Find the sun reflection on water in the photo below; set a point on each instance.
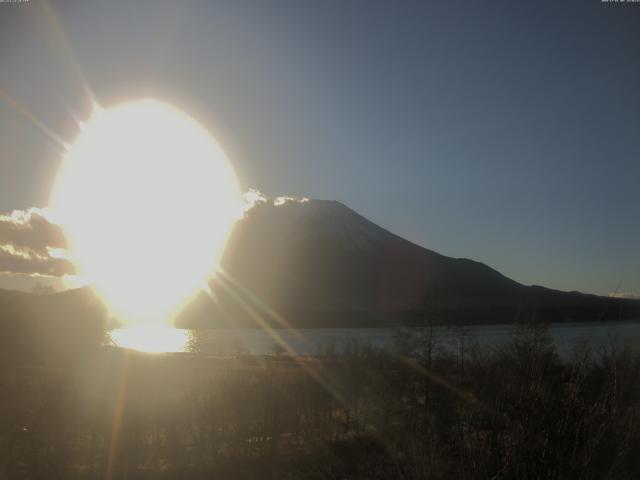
(151, 338)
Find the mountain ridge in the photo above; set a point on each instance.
(338, 268)
(320, 263)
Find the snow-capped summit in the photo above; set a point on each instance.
(317, 220)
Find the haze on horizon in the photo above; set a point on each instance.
(502, 133)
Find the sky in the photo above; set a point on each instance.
(506, 132)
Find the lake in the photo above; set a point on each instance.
(323, 341)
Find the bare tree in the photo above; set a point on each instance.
(460, 334)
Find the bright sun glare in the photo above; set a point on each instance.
(147, 199)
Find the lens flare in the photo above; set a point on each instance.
(147, 199)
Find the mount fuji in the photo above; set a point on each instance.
(319, 263)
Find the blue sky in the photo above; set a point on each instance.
(500, 131)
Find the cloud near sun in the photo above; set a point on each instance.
(31, 244)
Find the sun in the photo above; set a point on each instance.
(147, 199)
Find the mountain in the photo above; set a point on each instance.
(319, 263)
(62, 326)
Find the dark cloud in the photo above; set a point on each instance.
(27, 238)
(18, 263)
(30, 229)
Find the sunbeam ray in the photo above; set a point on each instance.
(63, 47)
(326, 382)
(261, 304)
(118, 418)
(26, 113)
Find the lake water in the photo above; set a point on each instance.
(336, 340)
